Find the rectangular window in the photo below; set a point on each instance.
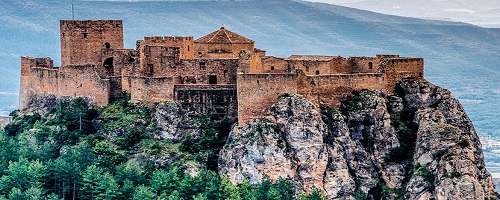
(203, 66)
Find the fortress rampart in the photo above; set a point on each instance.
(219, 75)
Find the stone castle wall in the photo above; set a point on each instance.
(400, 68)
(152, 89)
(213, 75)
(258, 92)
(331, 89)
(82, 41)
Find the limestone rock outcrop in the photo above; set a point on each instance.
(416, 144)
(173, 122)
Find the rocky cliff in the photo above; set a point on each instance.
(416, 144)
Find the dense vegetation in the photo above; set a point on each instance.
(76, 151)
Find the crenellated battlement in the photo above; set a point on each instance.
(221, 74)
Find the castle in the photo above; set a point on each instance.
(220, 74)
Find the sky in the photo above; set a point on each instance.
(484, 13)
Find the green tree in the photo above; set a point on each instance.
(247, 190)
(99, 184)
(23, 175)
(144, 193)
(286, 188)
(68, 168)
(165, 181)
(228, 190)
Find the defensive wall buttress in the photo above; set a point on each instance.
(220, 75)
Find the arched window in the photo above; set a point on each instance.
(107, 45)
(370, 65)
(317, 72)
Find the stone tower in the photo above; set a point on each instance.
(83, 41)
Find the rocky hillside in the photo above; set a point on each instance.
(416, 144)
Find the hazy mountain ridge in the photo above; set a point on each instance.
(461, 57)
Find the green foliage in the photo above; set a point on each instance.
(78, 152)
(455, 174)
(21, 124)
(99, 184)
(75, 116)
(406, 137)
(143, 192)
(22, 175)
(121, 113)
(207, 147)
(427, 175)
(315, 194)
(327, 114)
(361, 196)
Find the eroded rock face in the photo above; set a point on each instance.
(447, 147)
(173, 122)
(417, 144)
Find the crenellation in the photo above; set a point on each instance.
(219, 75)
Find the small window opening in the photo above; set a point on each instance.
(212, 79)
(131, 60)
(150, 69)
(307, 69)
(272, 68)
(225, 73)
(370, 65)
(317, 72)
(107, 45)
(203, 66)
(85, 35)
(108, 66)
(188, 47)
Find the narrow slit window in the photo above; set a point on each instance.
(203, 66)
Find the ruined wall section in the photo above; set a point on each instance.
(271, 64)
(119, 66)
(396, 69)
(249, 63)
(152, 89)
(38, 78)
(258, 92)
(158, 61)
(83, 41)
(215, 101)
(365, 65)
(83, 81)
(311, 67)
(331, 89)
(208, 71)
(185, 44)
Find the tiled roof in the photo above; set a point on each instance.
(224, 36)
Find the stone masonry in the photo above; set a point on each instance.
(221, 74)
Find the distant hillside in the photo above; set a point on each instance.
(461, 57)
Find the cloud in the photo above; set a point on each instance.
(9, 93)
(460, 10)
(15, 21)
